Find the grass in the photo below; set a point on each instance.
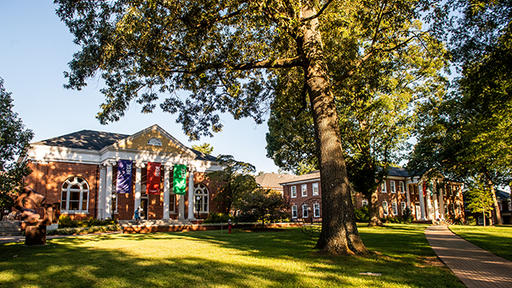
(496, 239)
(214, 259)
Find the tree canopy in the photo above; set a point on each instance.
(468, 135)
(210, 57)
(205, 148)
(14, 138)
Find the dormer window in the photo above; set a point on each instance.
(155, 142)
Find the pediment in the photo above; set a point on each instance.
(154, 139)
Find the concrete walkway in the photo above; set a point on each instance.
(474, 266)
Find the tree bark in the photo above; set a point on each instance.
(495, 203)
(374, 210)
(339, 235)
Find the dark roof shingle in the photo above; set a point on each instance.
(84, 139)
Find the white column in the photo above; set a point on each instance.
(422, 200)
(108, 192)
(138, 185)
(167, 191)
(429, 203)
(191, 195)
(101, 193)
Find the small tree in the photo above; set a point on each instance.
(263, 204)
(480, 200)
(14, 139)
(234, 180)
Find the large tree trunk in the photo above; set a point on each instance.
(339, 235)
(374, 209)
(497, 210)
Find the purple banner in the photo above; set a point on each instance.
(124, 176)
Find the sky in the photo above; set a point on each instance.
(35, 47)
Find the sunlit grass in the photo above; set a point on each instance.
(496, 239)
(215, 259)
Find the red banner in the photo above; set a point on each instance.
(153, 179)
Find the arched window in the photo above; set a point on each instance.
(201, 198)
(74, 196)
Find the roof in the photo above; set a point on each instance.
(84, 139)
(273, 180)
(97, 140)
(502, 195)
(305, 177)
(399, 172)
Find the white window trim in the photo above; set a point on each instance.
(403, 206)
(316, 205)
(392, 185)
(385, 208)
(201, 187)
(294, 207)
(304, 190)
(315, 191)
(293, 191)
(394, 208)
(402, 187)
(383, 187)
(65, 210)
(305, 209)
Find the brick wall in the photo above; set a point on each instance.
(48, 178)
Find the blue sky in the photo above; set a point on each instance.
(35, 48)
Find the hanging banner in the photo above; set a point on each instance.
(124, 176)
(179, 179)
(153, 179)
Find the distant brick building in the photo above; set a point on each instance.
(79, 170)
(428, 199)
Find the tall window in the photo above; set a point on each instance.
(305, 211)
(385, 208)
(403, 206)
(394, 208)
(304, 190)
(294, 211)
(393, 186)
(201, 198)
(383, 188)
(316, 210)
(74, 197)
(315, 189)
(293, 191)
(402, 187)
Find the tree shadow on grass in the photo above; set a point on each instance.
(66, 264)
(287, 259)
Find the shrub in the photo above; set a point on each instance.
(217, 218)
(66, 222)
(84, 230)
(362, 214)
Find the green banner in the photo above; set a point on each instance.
(179, 179)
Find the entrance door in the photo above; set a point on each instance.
(144, 210)
(418, 212)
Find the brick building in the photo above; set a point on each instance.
(428, 199)
(80, 171)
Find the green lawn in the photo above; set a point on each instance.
(214, 259)
(497, 239)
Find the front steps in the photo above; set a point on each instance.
(10, 228)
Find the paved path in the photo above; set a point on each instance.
(474, 266)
